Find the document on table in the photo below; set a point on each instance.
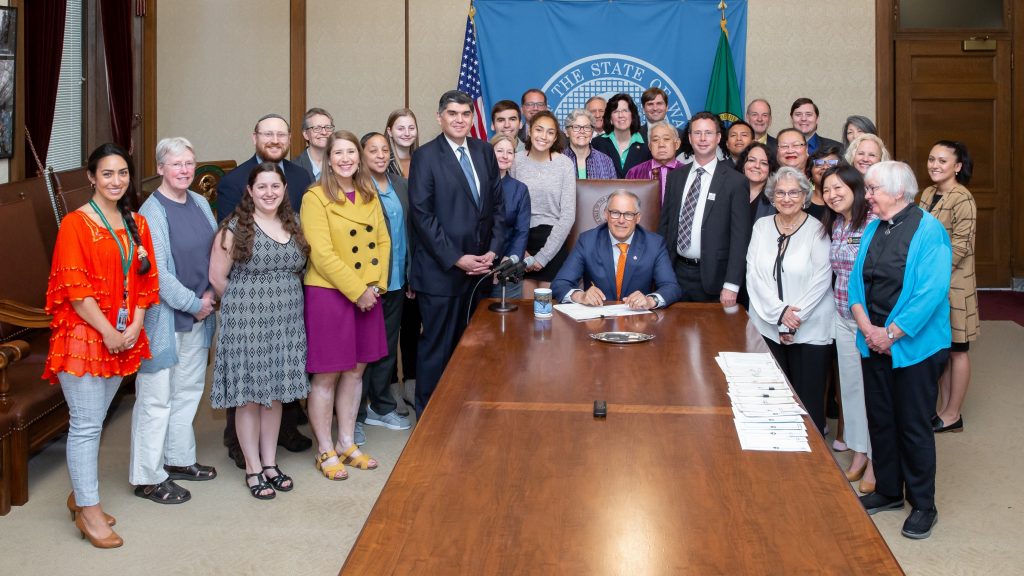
(766, 414)
(580, 312)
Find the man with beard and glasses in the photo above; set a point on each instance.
(272, 137)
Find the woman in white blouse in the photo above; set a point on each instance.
(789, 278)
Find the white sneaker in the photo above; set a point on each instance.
(360, 436)
(391, 420)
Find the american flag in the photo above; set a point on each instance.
(469, 79)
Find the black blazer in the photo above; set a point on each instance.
(638, 153)
(446, 221)
(725, 230)
(232, 186)
(303, 161)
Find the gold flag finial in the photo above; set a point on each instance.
(722, 6)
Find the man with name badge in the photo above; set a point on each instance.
(706, 219)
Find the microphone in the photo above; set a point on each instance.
(506, 265)
(513, 265)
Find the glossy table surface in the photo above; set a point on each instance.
(508, 472)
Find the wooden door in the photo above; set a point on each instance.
(946, 93)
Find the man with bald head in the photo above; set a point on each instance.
(272, 138)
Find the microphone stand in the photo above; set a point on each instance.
(503, 306)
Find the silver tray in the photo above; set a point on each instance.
(622, 337)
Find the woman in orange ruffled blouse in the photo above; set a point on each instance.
(100, 285)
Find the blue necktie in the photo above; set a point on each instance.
(467, 170)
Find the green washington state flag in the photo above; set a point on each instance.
(723, 90)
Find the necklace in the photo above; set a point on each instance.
(788, 227)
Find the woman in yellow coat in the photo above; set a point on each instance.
(348, 270)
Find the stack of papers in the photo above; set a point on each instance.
(766, 415)
(580, 312)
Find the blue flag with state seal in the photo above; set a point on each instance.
(575, 49)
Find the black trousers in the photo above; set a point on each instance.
(688, 276)
(900, 404)
(444, 321)
(409, 339)
(377, 376)
(807, 367)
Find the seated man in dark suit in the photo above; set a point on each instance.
(272, 137)
(618, 260)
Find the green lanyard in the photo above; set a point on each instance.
(126, 262)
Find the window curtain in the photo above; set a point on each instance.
(116, 19)
(44, 46)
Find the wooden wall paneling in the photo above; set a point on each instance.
(1017, 143)
(297, 73)
(149, 92)
(885, 24)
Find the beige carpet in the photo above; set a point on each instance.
(223, 530)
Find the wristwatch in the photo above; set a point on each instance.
(890, 334)
(376, 290)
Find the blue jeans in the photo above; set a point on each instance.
(512, 291)
(88, 398)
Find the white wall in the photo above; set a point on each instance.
(219, 73)
(820, 49)
(220, 67)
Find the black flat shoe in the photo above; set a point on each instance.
(236, 455)
(193, 472)
(876, 502)
(166, 492)
(294, 441)
(918, 525)
(939, 427)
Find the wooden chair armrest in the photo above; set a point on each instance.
(10, 352)
(23, 315)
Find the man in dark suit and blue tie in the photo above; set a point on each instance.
(706, 219)
(458, 223)
(618, 260)
(272, 137)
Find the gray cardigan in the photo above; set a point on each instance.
(159, 320)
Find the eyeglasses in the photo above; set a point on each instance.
(628, 216)
(272, 135)
(535, 105)
(704, 134)
(794, 194)
(181, 165)
(580, 129)
(327, 128)
(872, 188)
(826, 162)
(796, 146)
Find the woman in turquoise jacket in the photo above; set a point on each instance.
(899, 296)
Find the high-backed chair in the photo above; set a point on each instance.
(592, 198)
(32, 412)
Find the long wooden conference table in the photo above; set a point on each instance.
(509, 472)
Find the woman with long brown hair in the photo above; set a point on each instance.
(101, 283)
(349, 262)
(256, 267)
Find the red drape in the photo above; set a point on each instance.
(116, 17)
(44, 45)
